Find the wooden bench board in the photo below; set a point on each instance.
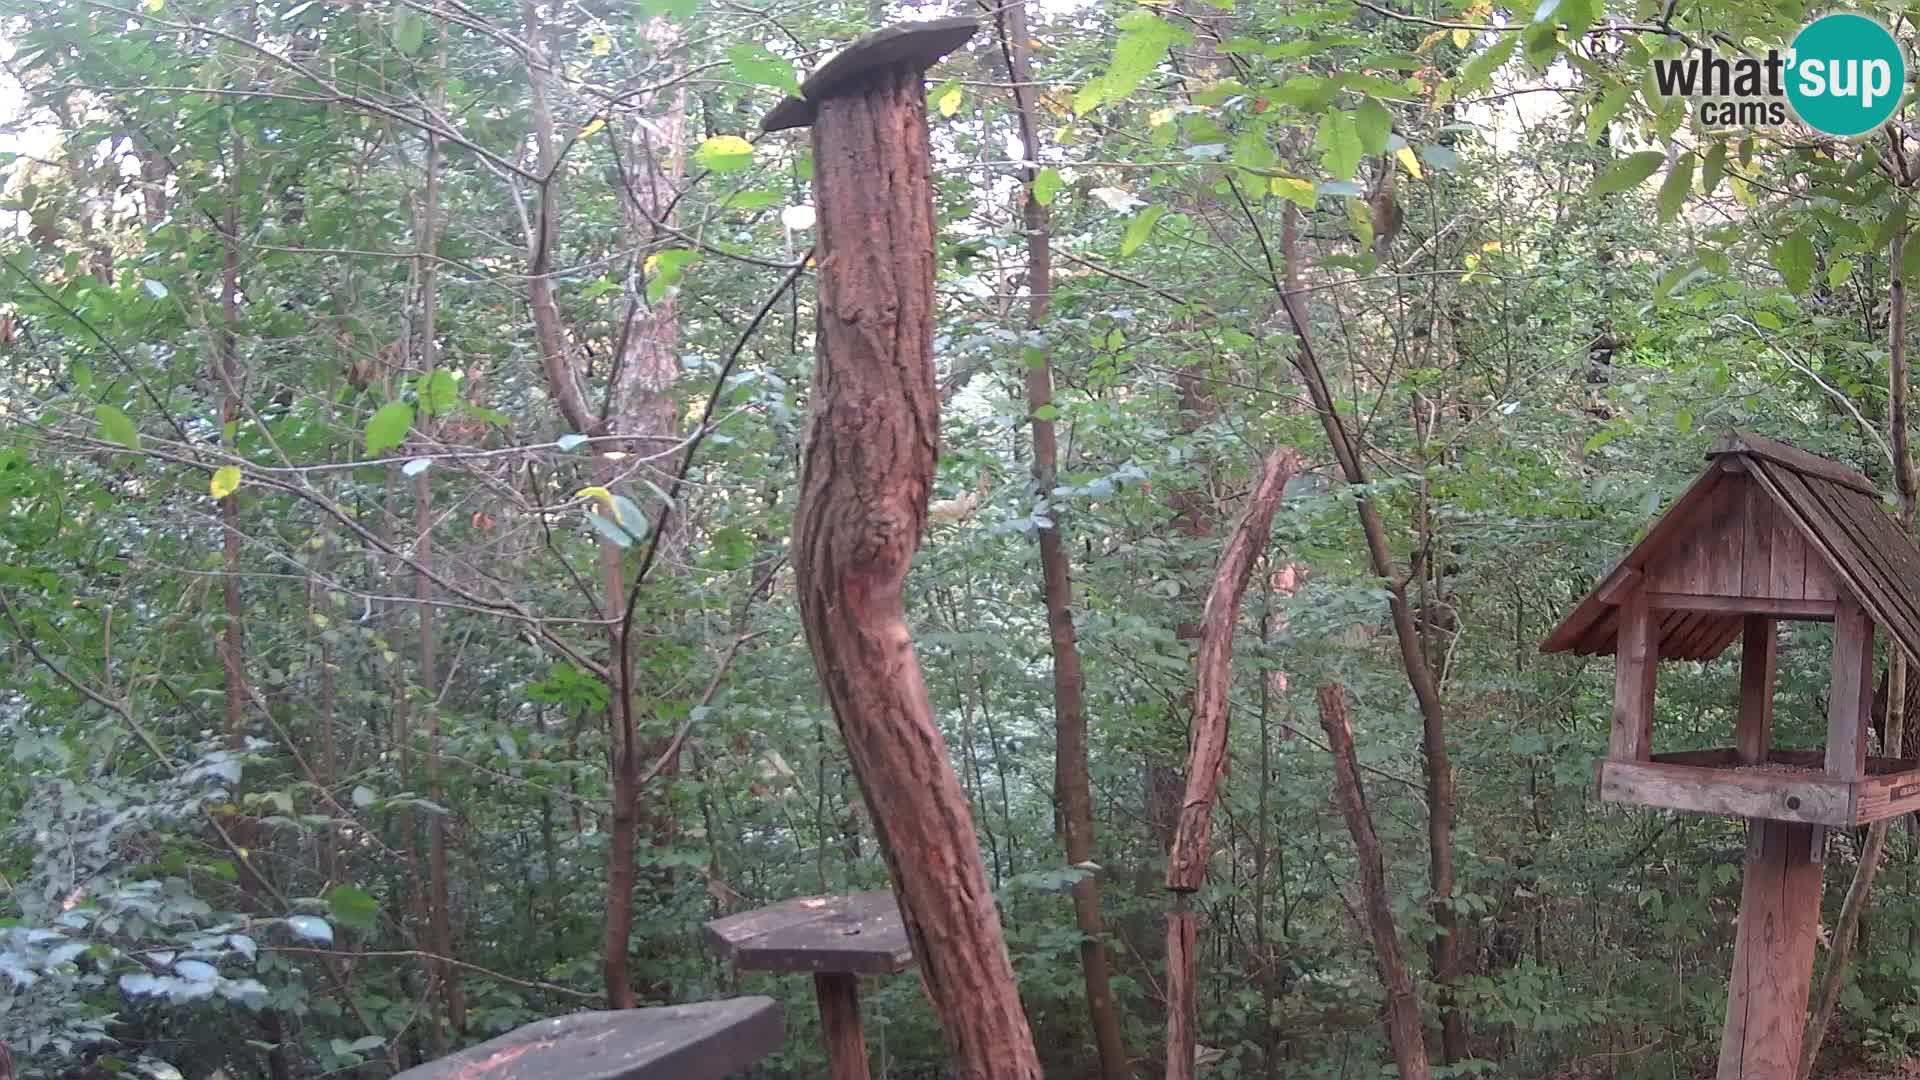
(707, 1040)
(857, 934)
(1709, 782)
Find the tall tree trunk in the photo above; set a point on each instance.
(1444, 950)
(1401, 1015)
(440, 925)
(1072, 784)
(868, 469)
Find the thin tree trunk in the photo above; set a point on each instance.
(1207, 753)
(1851, 909)
(1443, 950)
(1401, 1017)
(1073, 786)
(868, 469)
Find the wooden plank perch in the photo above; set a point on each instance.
(1207, 754)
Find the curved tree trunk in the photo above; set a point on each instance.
(873, 440)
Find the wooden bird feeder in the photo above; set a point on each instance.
(837, 939)
(1768, 532)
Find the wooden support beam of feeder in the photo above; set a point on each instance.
(1772, 954)
(873, 435)
(1850, 700)
(838, 939)
(1758, 653)
(1635, 662)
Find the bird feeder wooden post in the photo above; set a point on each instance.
(872, 442)
(1768, 532)
(838, 939)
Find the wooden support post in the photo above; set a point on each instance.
(1754, 729)
(1636, 658)
(1850, 704)
(839, 998)
(1772, 954)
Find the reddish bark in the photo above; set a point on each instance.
(1401, 1016)
(1207, 752)
(868, 470)
(1213, 677)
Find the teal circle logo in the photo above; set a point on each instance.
(1845, 74)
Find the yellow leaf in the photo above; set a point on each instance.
(156, 6)
(1491, 245)
(319, 620)
(593, 126)
(950, 101)
(226, 481)
(1159, 116)
(602, 44)
(1409, 161)
(595, 492)
(1431, 40)
(1462, 38)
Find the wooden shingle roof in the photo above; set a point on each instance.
(1767, 528)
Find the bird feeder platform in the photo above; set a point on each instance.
(837, 939)
(708, 1040)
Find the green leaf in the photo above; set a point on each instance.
(1138, 51)
(1374, 123)
(1605, 109)
(1139, 229)
(1046, 186)
(628, 516)
(1047, 413)
(353, 907)
(437, 391)
(724, 154)
(753, 64)
(1673, 191)
(664, 269)
(609, 531)
(116, 426)
(1714, 168)
(1793, 257)
(1768, 319)
(1293, 189)
(1629, 171)
(388, 428)
(1839, 273)
(226, 481)
(409, 31)
(1338, 141)
(1479, 71)
(1910, 262)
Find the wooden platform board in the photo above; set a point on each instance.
(860, 934)
(708, 1040)
(1712, 782)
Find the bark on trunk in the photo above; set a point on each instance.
(1207, 752)
(1401, 1016)
(872, 444)
(1071, 780)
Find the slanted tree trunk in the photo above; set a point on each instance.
(1401, 1016)
(1443, 952)
(1207, 752)
(1072, 784)
(868, 468)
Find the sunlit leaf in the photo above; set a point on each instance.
(724, 154)
(226, 481)
(389, 426)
